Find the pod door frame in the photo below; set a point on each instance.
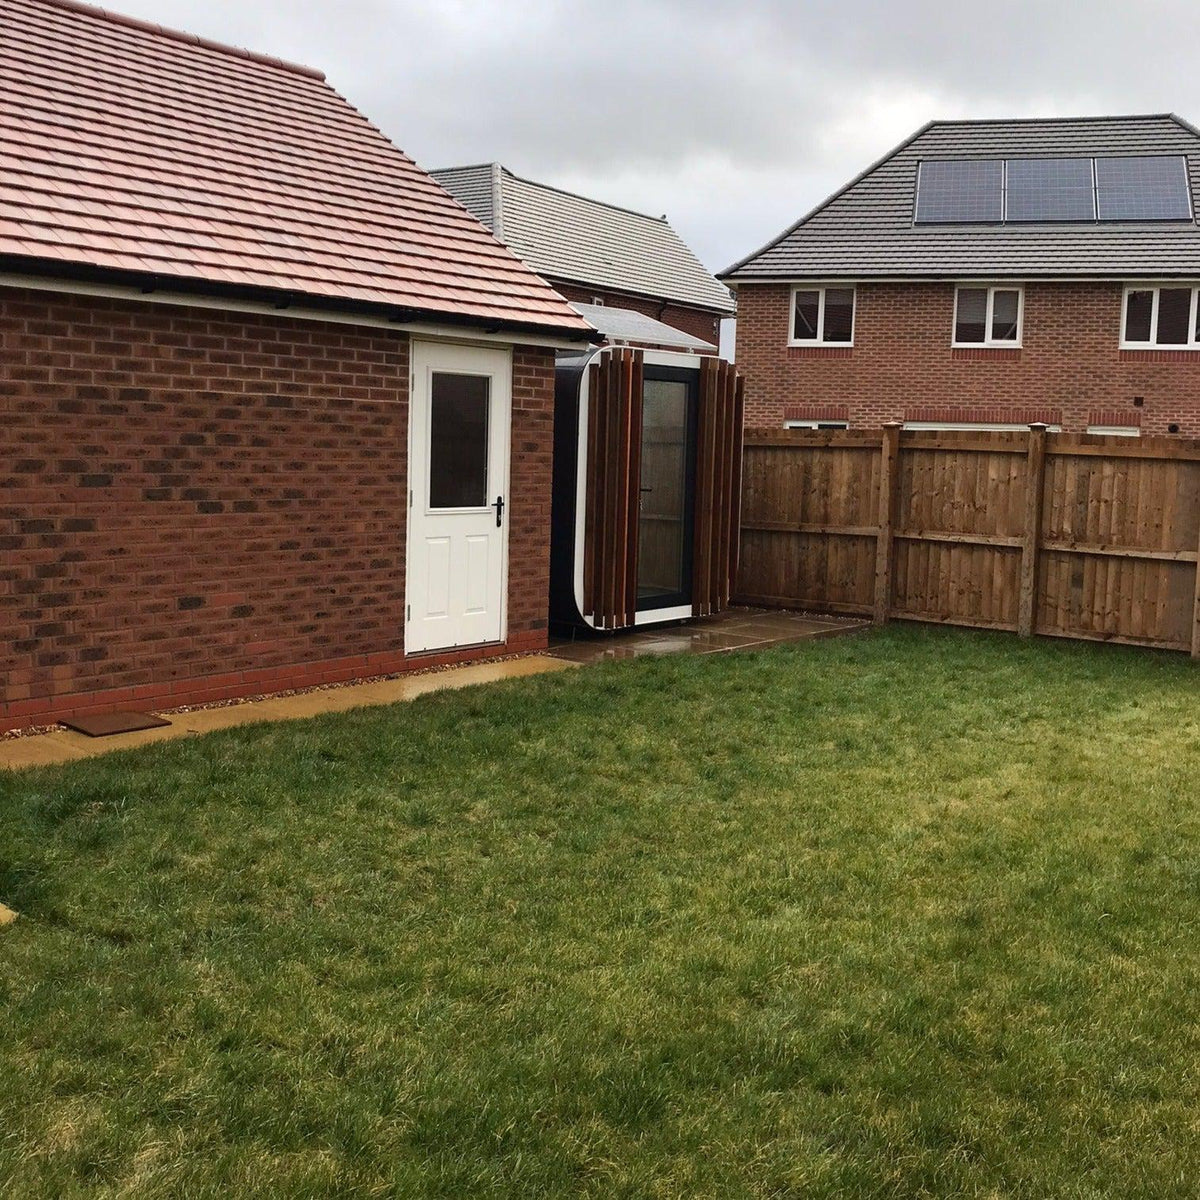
(597, 554)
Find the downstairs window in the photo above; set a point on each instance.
(974, 427)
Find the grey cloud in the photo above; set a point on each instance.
(733, 119)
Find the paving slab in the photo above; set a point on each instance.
(736, 629)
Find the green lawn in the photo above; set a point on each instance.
(914, 913)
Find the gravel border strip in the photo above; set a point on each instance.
(37, 730)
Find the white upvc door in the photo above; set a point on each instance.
(459, 432)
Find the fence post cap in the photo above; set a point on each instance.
(1038, 426)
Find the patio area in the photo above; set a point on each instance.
(736, 629)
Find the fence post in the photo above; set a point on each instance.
(1035, 476)
(889, 475)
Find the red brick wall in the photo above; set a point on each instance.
(196, 505)
(1069, 369)
(529, 492)
(696, 321)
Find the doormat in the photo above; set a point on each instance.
(110, 723)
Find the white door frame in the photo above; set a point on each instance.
(423, 356)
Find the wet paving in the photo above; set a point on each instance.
(737, 629)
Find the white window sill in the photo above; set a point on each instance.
(985, 346)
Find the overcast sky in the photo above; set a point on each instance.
(732, 118)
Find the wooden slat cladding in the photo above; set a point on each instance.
(614, 467)
(718, 471)
(1064, 535)
(613, 472)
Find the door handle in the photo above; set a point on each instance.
(499, 507)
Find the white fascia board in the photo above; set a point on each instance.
(431, 328)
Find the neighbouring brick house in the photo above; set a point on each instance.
(228, 306)
(988, 273)
(593, 252)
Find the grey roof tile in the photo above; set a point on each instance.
(866, 230)
(579, 240)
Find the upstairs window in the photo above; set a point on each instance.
(988, 316)
(1163, 318)
(822, 316)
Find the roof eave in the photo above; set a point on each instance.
(967, 271)
(281, 299)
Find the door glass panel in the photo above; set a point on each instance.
(458, 441)
(661, 516)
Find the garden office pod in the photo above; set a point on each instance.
(647, 474)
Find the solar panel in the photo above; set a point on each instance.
(1143, 189)
(1050, 189)
(960, 191)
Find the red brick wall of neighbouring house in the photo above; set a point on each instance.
(197, 505)
(696, 321)
(1069, 371)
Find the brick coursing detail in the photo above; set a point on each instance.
(696, 321)
(196, 504)
(902, 365)
(1115, 416)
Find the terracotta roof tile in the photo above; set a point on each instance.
(129, 147)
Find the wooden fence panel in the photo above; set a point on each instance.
(809, 520)
(1060, 534)
(1118, 546)
(958, 530)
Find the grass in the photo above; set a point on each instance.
(908, 914)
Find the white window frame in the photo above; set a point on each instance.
(1115, 430)
(816, 422)
(1191, 344)
(974, 426)
(820, 289)
(990, 343)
